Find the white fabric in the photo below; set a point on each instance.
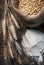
(33, 42)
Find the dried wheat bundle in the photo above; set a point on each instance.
(17, 48)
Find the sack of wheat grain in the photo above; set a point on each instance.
(20, 43)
